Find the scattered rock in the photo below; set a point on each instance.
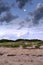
(27, 54)
(1, 54)
(11, 55)
(39, 55)
(33, 55)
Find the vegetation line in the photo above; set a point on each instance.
(24, 43)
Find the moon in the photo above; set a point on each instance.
(25, 10)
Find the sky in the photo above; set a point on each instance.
(21, 19)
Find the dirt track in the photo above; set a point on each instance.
(18, 56)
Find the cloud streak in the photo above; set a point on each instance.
(37, 14)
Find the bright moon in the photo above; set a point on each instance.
(25, 10)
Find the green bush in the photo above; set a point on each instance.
(24, 45)
(9, 45)
(15, 45)
(38, 45)
(29, 45)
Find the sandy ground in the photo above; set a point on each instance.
(19, 56)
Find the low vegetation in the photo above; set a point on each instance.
(21, 42)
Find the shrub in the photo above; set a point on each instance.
(38, 45)
(9, 45)
(29, 45)
(24, 45)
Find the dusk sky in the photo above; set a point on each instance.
(21, 19)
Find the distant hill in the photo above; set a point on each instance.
(6, 40)
(32, 40)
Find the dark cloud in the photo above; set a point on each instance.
(8, 17)
(22, 3)
(37, 14)
(4, 7)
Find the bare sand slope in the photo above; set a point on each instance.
(19, 56)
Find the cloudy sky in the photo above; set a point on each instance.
(21, 19)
